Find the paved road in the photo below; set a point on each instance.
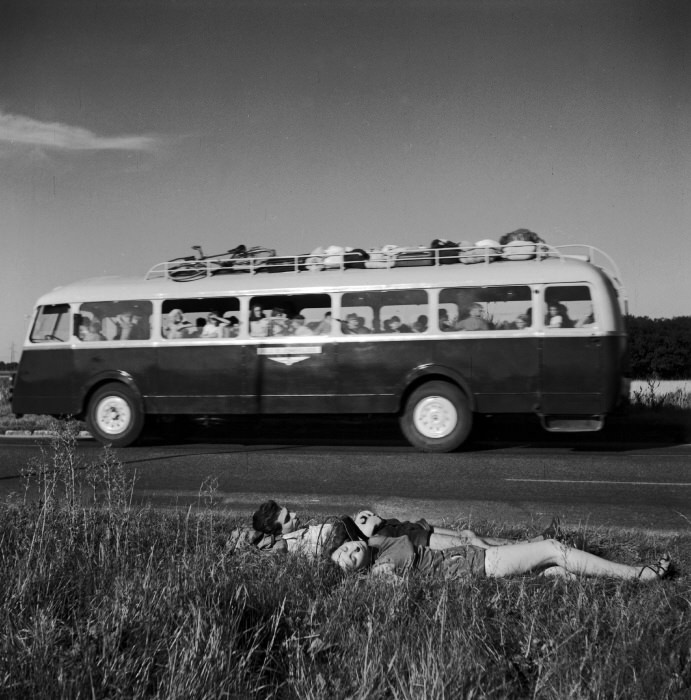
(646, 485)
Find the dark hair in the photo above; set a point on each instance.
(265, 518)
(343, 530)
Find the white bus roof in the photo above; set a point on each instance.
(561, 269)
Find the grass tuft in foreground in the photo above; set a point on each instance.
(102, 600)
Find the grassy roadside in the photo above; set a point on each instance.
(99, 599)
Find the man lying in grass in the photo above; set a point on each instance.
(352, 551)
(280, 531)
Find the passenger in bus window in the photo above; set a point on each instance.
(522, 321)
(130, 326)
(355, 325)
(278, 323)
(92, 331)
(474, 320)
(298, 327)
(420, 326)
(259, 324)
(557, 316)
(444, 321)
(232, 328)
(324, 326)
(395, 326)
(214, 326)
(178, 326)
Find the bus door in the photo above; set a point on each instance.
(572, 369)
(199, 371)
(291, 363)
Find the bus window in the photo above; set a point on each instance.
(485, 308)
(568, 307)
(385, 311)
(114, 320)
(52, 324)
(290, 315)
(204, 318)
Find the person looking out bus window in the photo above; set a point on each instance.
(557, 316)
(232, 328)
(521, 322)
(420, 326)
(395, 326)
(298, 327)
(178, 326)
(355, 325)
(213, 328)
(278, 322)
(259, 324)
(324, 326)
(474, 320)
(444, 321)
(92, 331)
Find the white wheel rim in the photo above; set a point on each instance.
(113, 415)
(435, 417)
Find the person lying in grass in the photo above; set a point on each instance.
(281, 532)
(394, 556)
(422, 534)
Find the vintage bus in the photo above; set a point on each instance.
(432, 342)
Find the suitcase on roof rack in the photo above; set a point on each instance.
(414, 257)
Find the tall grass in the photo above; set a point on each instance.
(100, 599)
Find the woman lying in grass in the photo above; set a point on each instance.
(282, 532)
(349, 548)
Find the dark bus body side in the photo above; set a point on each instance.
(533, 374)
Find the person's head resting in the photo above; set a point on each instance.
(475, 309)
(347, 545)
(368, 522)
(273, 519)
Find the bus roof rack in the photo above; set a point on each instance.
(199, 267)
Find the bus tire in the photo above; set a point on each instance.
(114, 416)
(437, 417)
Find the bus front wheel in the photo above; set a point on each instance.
(436, 418)
(114, 416)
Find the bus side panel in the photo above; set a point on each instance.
(44, 382)
(505, 374)
(200, 379)
(371, 374)
(292, 377)
(93, 364)
(572, 375)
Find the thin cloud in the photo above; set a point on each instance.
(16, 129)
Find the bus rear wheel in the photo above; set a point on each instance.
(114, 416)
(436, 418)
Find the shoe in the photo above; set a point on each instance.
(553, 530)
(661, 569)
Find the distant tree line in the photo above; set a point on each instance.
(659, 347)
(8, 366)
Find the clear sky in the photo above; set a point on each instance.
(133, 129)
